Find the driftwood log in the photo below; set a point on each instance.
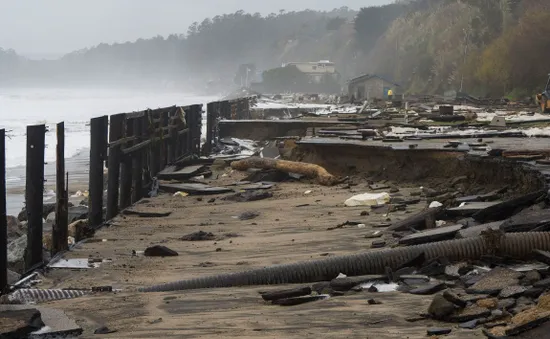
(309, 170)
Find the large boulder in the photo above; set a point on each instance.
(16, 253)
(77, 213)
(15, 228)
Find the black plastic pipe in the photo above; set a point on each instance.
(518, 245)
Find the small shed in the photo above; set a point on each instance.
(370, 86)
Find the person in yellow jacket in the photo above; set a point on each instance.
(390, 95)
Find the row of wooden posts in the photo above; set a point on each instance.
(237, 109)
(133, 146)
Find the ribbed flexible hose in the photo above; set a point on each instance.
(519, 245)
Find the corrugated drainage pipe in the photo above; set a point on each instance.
(518, 245)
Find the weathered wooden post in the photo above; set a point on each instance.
(126, 168)
(98, 149)
(60, 228)
(3, 221)
(137, 163)
(207, 147)
(113, 175)
(172, 131)
(34, 192)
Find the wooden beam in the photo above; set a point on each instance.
(60, 228)
(34, 193)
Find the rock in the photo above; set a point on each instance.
(373, 234)
(489, 303)
(457, 270)
(531, 277)
(543, 283)
(506, 304)
(160, 251)
(494, 281)
(378, 244)
(13, 277)
(438, 331)
(249, 196)
(104, 330)
(50, 218)
(542, 256)
(428, 289)
(533, 292)
(440, 307)
(22, 216)
(20, 323)
(16, 253)
(77, 213)
(469, 325)
(512, 291)
(248, 215)
(454, 298)
(198, 236)
(15, 228)
(469, 313)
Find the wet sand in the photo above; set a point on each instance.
(282, 233)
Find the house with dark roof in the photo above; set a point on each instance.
(370, 86)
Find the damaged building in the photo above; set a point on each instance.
(370, 86)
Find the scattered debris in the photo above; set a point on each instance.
(198, 236)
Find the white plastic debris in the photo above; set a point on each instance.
(440, 223)
(368, 199)
(361, 226)
(435, 204)
(308, 192)
(341, 275)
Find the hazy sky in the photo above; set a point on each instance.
(53, 27)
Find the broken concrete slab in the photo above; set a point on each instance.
(194, 189)
(525, 222)
(506, 209)
(494, 281)
(287, 293)
(468, 314)
(428, 288)
(299, 300)
(56, 323)
(19, 323)
(344, 284)
(417, 221)
(455, 299)
(512, 291)
(475, 231)
(187, 172)
(433, 235)
(468, 209)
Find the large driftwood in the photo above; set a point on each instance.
(310, 170)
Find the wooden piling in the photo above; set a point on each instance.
(98, 148)
(34, 191)
(113, 175)
(3, 220)
(126, 169)
(137, 163)
(60, 228)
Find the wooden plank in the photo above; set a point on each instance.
(98, 149)
(34, 192)
(416, 221)
(115, 156)
(60, 228)
(3, 221)
(136, 148)
(199, 189)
